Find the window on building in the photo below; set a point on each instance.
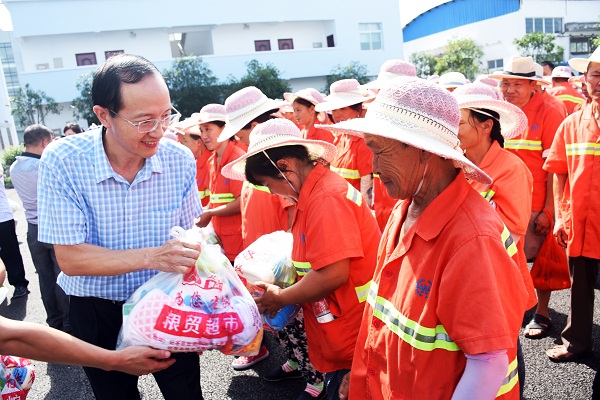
(86, 59)
(546, 25)
(330, 41)
(10, 69)
(285, 44)
(370, 36)
(580, 45)
(495, 65)
(262, 45)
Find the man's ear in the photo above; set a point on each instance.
(102, 113)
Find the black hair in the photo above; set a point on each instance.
(109, 77)
(495, 134)
(72, 126)
(259, 166)
(303, 102)
(220, 124)
(264, 117)
(548, 63)
(34, 134)
(357, 107)
(560, 79)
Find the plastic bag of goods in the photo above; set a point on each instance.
(16, 377)
(269, 259)
(205, 309)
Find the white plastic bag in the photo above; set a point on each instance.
(208, 308)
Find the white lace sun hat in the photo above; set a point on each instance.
(392, 69)
(418, 113)
(311, 95)
(344, 93)
(452, 80)
(474, 96)
(277, 133)
(186, 125)
(211, 113)
(243, 106)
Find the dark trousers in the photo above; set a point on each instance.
(333, 381)
(11, 255)
(98, 321)
(54, 298)
(577, 335)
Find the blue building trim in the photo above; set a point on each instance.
(456, 13)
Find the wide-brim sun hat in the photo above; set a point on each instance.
(311, 95)
(244, 106)
(392, 69)
(581, 64)
(513, 121)
(277, 133)
(212, 113)
(452, 80)
(344, 93)
(577, 81)
(521, 68)
(417, 113)
(186, 125)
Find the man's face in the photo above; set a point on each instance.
(592, 82)
(517, 91)
(147, 99)
(547, 70)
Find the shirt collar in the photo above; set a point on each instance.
(32, 155)
(309, 184)
(490, 156)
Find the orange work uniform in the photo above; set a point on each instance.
(567, 94)
(203, 177)
(444, 288)
(382, 202)
(533, 145)
(510, 195)
(222, 191)
(576, 152)
(323, 237)
(319, 134)
(353, 159)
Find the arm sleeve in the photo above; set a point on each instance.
(482, 377)
(556, 161)
(190, 206)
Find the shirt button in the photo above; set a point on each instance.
(371, 371)
(130, 218)
(376, 323)
(594, 188)
(388, 273)
(131, 246)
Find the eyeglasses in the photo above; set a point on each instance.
(195, 137)
(151, 124)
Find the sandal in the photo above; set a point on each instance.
(538, 322)
(561, 354)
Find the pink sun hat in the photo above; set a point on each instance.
(311, 95)
(344, 93)
(211, 113)
(243, 106)
(277, 133)
(418, 113)
(477, 96)
(392, 69)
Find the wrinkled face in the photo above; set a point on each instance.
(304, 115)
(210, 132)
(397, 165)
(517, 91)
(344, 114)
(147, 99)
(592, 82)
(468, 134)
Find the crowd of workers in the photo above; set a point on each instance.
(415, 207)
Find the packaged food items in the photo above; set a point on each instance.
(16, 377)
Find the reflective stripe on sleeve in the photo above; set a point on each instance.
(571, 98)
(522, 144)
(221, 198)
(261, 188)
(509, 244)
(354, 195)
(362, 292)
(488, 194)
(302, 267)
(346, 173)
(419, 337)
(581, 149)
(510, 380)
(204, 193)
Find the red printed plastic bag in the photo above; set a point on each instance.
(208, 308)
(16, 377)
(550, 270)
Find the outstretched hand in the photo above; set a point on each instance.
(176, 255)
(270, 302)
(138, 360)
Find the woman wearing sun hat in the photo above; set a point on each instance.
(353, 161)
(446, 301)
(303, 103)
(224, 207)
(335, 240)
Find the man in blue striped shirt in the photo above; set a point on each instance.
(107, 199)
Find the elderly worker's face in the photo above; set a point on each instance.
(397, 165)
(517, 91)
(592, 82)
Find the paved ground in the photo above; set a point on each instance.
(545, 380)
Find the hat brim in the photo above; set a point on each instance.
(317, 149)
(341, 102)
(512, 120)
(581, 64)
(290, 97)
(409, 134)
(233, 126)
(505, 75)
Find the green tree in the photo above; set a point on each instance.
(31, 106)
(425, 63)
(192, 85)
(460, 55)
(265, 77)
(354, 70)
(83, 105)
(541, 47)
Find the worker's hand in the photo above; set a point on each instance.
(203, 219)
(542, 224)
(560, 233)
(270, 302)
(137, 360)
(176, 255)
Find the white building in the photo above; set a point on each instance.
(58, 40)
(495, 24)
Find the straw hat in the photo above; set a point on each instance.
(577, 81)
(392, 69)
(581, 64)
(562, 71)
(452, 80)
(418, 113)
(242, 107)
(521, 68)
(211, 113)
(277, 133)
(344, 93)
(186, 125)
(309, 94)
(513, 121)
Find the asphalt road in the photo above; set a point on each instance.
(545, 379)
